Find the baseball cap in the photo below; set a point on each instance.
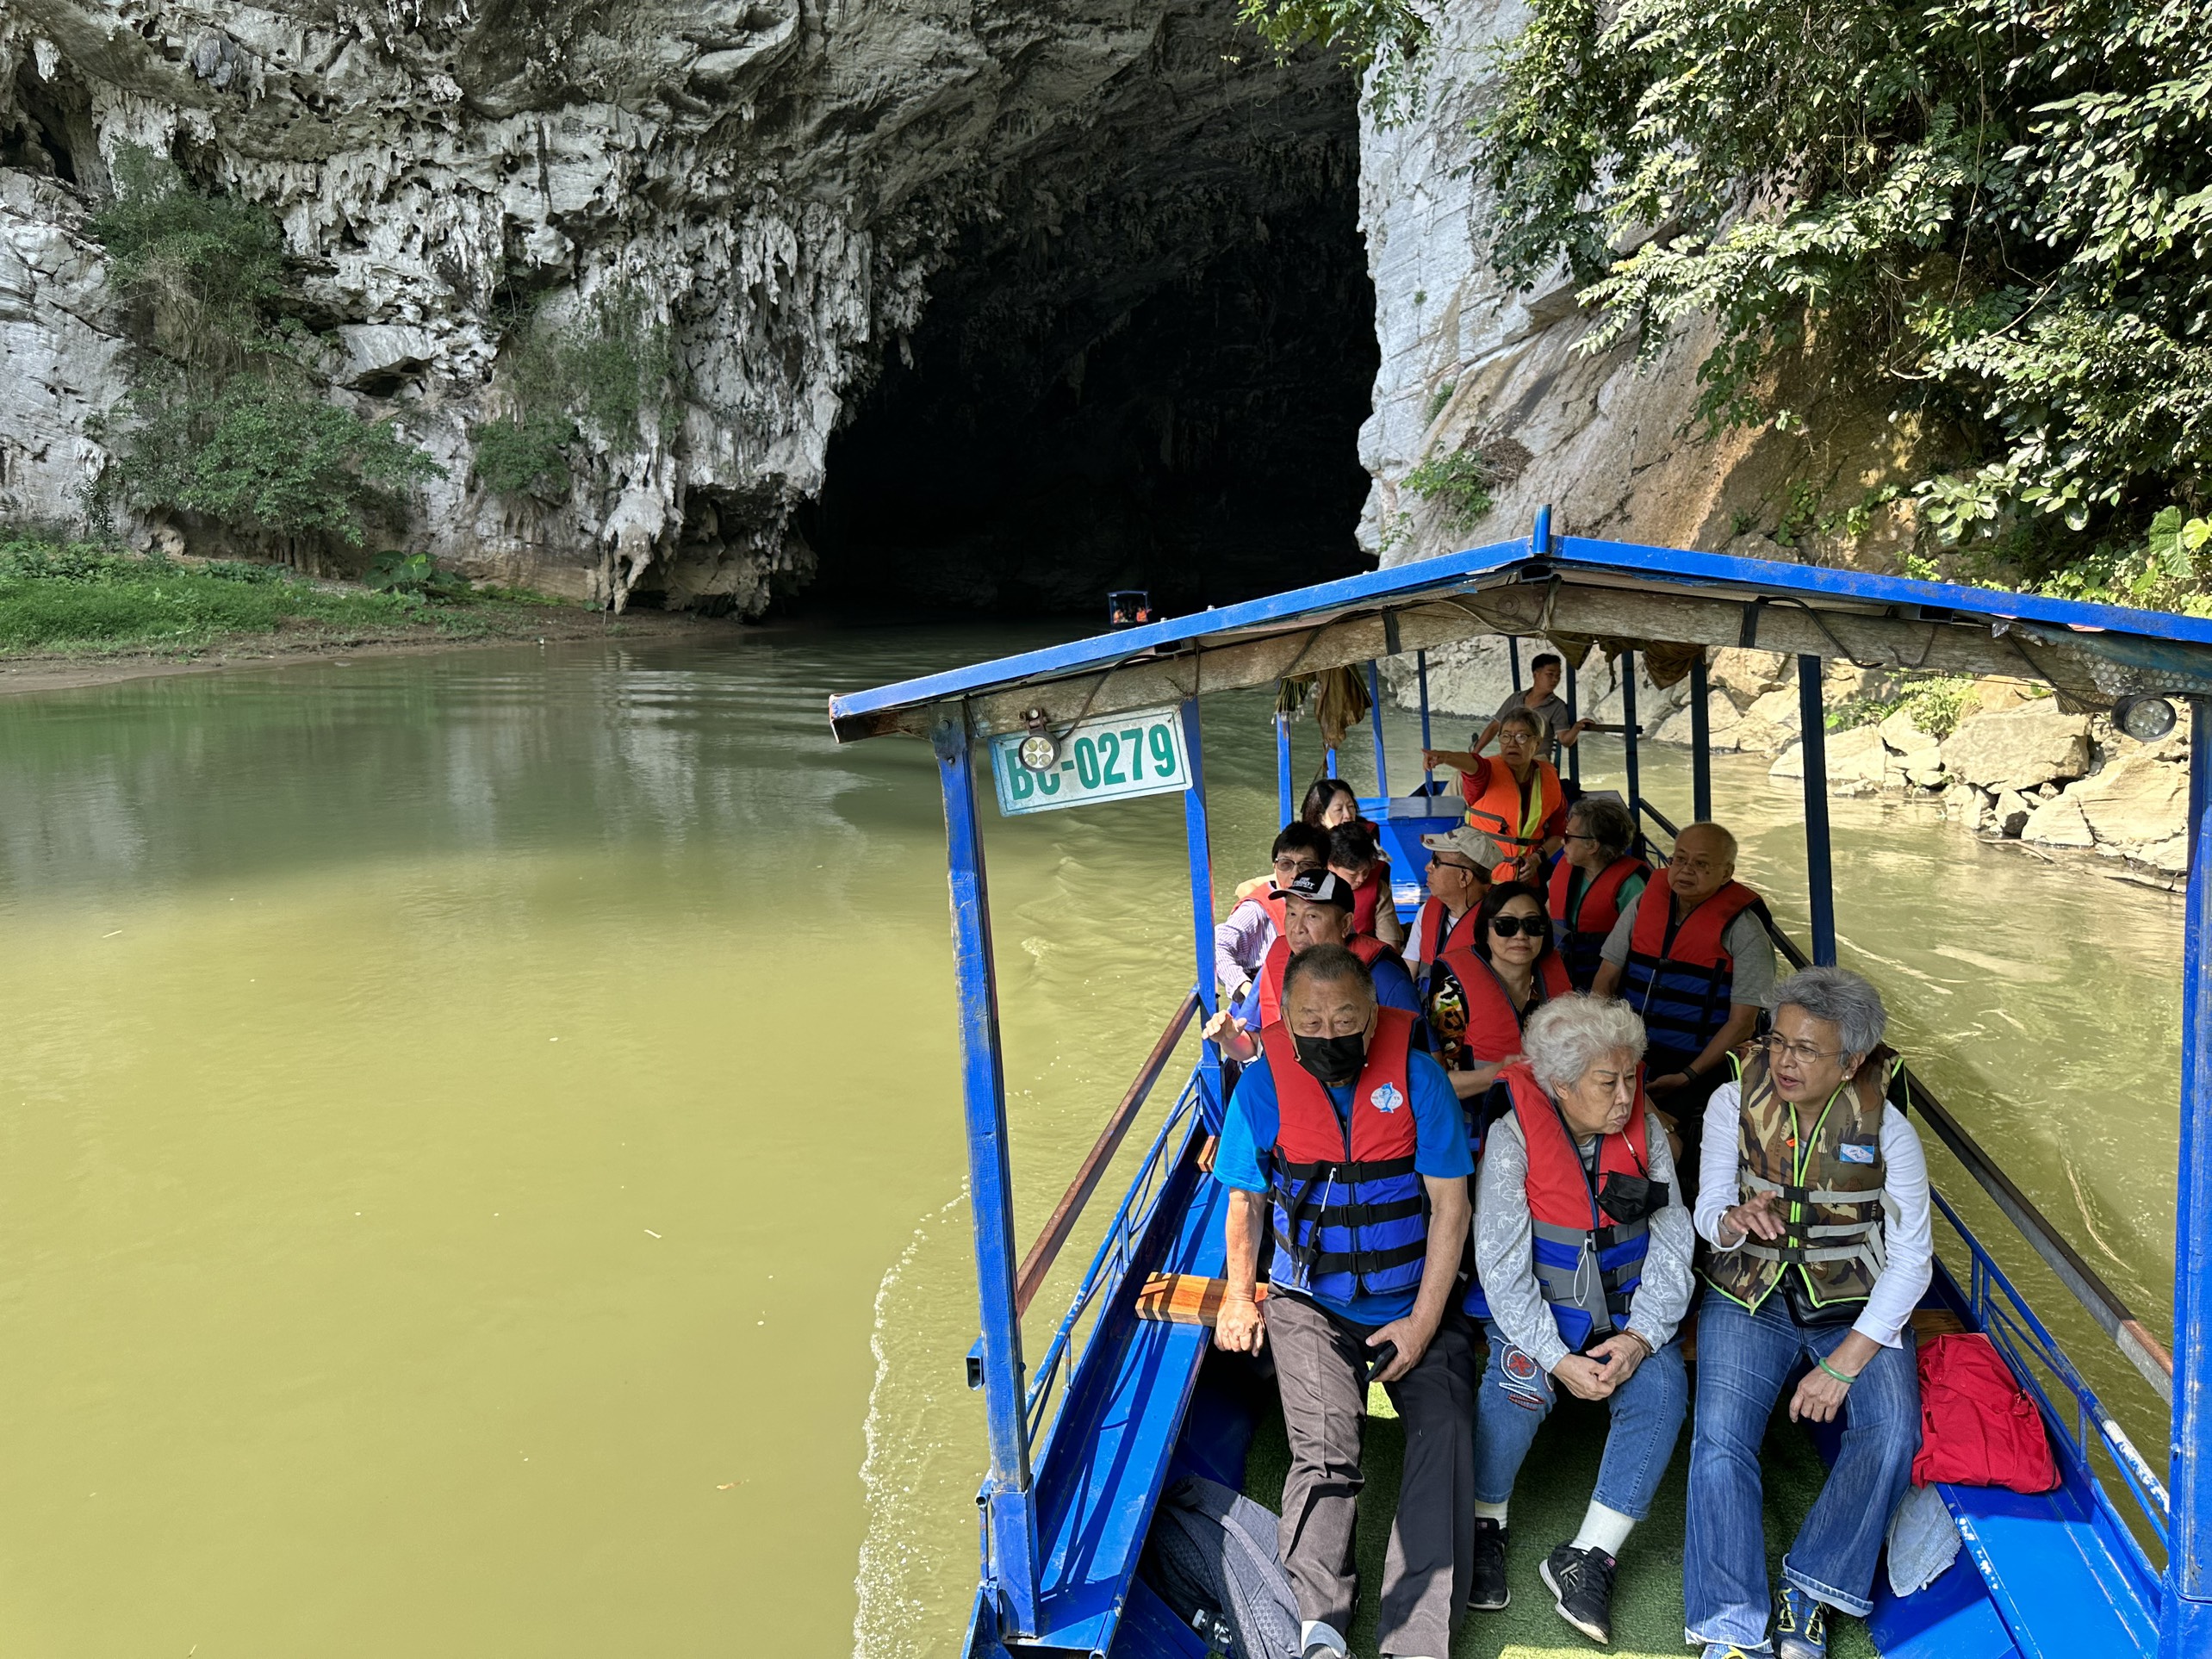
(1468, 842)
(1320, 887)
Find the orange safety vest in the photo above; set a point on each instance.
(1500, 813)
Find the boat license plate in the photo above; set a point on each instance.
(1112, 758)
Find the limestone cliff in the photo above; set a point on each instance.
(781, 178)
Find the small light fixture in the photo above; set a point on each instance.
(2145, 717)
(1039, 751)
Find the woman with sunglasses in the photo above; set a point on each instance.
(1814, 1198)
(1481, 991)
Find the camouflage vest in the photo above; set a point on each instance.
(1832, 1202)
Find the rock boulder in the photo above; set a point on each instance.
(2020, 748)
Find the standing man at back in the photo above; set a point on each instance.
(1542, 698)
(1691, 955)
(1354, 1143)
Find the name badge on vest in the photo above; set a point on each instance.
(1853, 1152)
(1386, 1097)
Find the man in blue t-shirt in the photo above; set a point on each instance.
(1365, 1262)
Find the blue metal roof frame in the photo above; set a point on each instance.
(2146, 649)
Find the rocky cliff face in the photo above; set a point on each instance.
(779, 178)
(1469, 363)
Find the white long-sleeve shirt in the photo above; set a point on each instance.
(1908, 1236)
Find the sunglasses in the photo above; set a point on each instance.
(1506, 927)
(1439, 862)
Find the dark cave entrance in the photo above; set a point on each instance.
(1101, 409)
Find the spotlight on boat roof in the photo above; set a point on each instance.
(1039, 751)
(2144, 716)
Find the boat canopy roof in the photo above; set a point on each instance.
(1575, 591)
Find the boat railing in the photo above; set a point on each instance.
(2103, 1304)
(1109, 1265)
(2003, 1314)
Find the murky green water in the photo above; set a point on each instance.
(481, 1170)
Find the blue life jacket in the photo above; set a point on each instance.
(1350, 1214)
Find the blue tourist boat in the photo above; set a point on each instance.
(1085, 1435)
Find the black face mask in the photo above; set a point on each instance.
(1631, 1197)
(1332, 1059)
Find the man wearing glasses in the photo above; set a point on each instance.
(1458, 879)
(1691, 955)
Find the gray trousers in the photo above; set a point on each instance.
(1425, 1573)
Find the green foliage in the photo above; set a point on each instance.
(599, 374)
(1936, 705)
(2171, 569)
(198, 269)
(1437, 398)
(85, 595)
(395, 572)
(1993, 215)
(259, 454)
(221, 420)
(1460, 481)
(525, 456)
(1390, 33)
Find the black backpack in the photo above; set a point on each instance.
(1212, 1557)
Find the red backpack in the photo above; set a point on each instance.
(1977, 1426)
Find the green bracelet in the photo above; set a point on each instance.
(1846, 1379)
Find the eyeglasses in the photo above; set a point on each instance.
(1506, 927)
(1438, 862)
(1294, 863)
(1805, 1053)
(1572, 836)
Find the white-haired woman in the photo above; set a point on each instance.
(1582, 1249)
(1814, 1196)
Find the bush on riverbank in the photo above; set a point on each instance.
(95, 596)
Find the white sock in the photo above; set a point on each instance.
(1320, 1631)
(1602, 1529)
(1495, 1511)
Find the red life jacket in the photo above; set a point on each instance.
(1680, 986)
(1431, 923)
(1368, 894)
(1583, 928)
(1350, 1212)
(1587, 1262)
(1367, 948)
(1490, 1029)
(1499, 813)
(1977, 1426)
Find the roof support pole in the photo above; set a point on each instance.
(1375, 718)
(1283, 802)
(1421, 670)
(1819, 875)
(1700, 745)
(1332, 760)
(1574, 713)
(1628, 735)
(2185, 1615)
(1200, 846)
(1009, 1525)
(1513, 654)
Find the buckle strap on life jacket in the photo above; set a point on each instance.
(1851, 1199)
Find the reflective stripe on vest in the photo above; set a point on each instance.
(1350, 1220)
(1832, 1207)
(1500, 813)
(1587, 1265)
(1679, 976)
(1583, 916)
(1277, 963)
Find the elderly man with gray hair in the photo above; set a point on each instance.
(1815, 1201)
(1582, 1254)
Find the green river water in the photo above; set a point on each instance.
(482, 1169)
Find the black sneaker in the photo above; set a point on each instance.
(1486, 1591)
(1581, 1581)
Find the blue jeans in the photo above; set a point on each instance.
(1516, 1396)
(1744, 1359)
